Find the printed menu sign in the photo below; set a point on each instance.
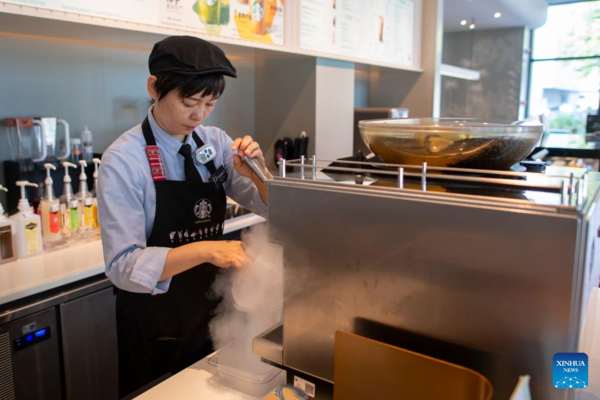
(379, 30)
(255, 20)
(141, 11)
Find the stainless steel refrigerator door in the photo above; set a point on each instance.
(492, 278)
(90, 346)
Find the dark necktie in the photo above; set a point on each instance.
(191, 173)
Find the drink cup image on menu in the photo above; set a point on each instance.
(210, 11)
(224, 12)
(257, 12)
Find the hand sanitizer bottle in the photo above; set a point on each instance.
(28, 226)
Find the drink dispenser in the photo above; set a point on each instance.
(26, 141)
(57, 146)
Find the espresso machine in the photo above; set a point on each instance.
(493, 270)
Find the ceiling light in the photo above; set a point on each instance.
(463, 22)
(472, 26)
(497, 15)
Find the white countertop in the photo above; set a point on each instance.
(27, 276)
(82, 259)
(198, 381)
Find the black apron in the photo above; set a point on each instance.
(165, 333)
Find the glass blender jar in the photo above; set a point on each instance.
(56, 148)
(26, 141)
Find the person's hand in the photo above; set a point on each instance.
(225, 253)
(246, 146)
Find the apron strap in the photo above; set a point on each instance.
(153, 153)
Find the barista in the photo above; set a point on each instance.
(162, 200)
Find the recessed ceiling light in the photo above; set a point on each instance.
(463, 22)
(497, 15)
(472, 26)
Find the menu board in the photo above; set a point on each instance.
(135, 11)
(255, 20)
(380, 30)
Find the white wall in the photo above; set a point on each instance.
(284, 99)
(334, 109)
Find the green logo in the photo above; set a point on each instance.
(258, 11)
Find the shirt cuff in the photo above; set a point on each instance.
(149, 267)
(162, 286)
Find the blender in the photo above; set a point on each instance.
(55, 149)
(26, 141)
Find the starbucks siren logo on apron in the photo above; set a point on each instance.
(203, 208)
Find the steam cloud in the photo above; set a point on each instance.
(252, 303)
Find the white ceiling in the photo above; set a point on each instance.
(529, 13)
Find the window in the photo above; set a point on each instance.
(565, 67)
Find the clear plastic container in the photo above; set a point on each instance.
(76, 151)
(258, 383)
(449, 142)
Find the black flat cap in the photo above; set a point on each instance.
(188, 55)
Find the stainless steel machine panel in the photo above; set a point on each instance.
(502, 280)
(32, 372)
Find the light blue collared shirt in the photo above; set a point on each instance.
(127, 201)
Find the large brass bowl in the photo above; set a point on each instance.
(446, 142)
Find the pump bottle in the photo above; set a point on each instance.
(69, 206)
(86, 202)
(7, 236)
(97, 162)
(50, 210)
(86, 138)
(28, 226)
